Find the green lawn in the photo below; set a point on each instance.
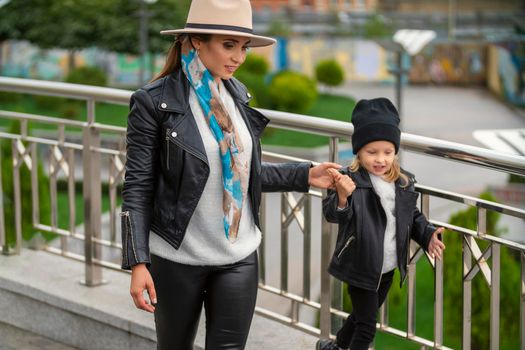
(326, 106)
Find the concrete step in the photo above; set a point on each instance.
(41, 293)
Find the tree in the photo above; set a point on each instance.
(78, 24)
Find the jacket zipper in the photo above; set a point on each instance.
(383, 252)
(407, 253)
(345, 246)
(125, 238)
(168, 149)
(128, 221)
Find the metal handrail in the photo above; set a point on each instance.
(443, 149)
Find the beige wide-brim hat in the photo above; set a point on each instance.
(227, 17)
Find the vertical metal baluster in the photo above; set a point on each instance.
(35, 202)
(307, 246)
(337, 285)
(495, 297)
(113, 173)
(3, 241)
(71, 194)
(411, 293)
(285, 211)
(467, 295)
(17, 195)
(53, 170)
(522, 301)
(383, 314)
(294, 312)
(262, 246)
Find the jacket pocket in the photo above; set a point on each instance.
(345, 246)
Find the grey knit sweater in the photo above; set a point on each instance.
(205, 242)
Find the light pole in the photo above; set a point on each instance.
(144, 16)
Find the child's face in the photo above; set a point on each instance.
(377, 157)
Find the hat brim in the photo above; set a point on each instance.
(255, 40)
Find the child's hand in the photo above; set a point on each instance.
(344, 186)
(436, 247)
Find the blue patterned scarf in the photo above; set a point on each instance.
(234, 170)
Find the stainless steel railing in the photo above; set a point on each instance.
(70, 157)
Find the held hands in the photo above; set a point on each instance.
(319, 175)
(344, 186)
(435, 246)
(141, 280)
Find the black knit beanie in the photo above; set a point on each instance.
(375, 120)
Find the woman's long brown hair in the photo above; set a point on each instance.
(173, 58)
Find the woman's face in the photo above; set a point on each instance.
(377, 157)
(222, 54)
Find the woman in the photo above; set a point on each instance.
(193, 183)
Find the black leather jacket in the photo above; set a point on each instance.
(167, 167)
(358, 254)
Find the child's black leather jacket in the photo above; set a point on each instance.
(167, 166)
(358, 255)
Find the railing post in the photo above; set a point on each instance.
(92, 200)
(262, 246)
(307, 246)
(3, 241)
(411, 293)
(330, 288)
(337, 286)
(17, 162)
(467, 295)
(522, 301)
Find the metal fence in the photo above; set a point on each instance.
(95, 154)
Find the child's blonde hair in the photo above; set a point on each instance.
(391, 175)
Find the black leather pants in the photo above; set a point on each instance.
(228, 292)
(359, 328)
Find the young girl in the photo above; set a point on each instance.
(375, 206)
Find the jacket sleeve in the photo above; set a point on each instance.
(141, 165)
(285, 177)
(330, 211)
(422, 230)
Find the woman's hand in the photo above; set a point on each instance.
(435, 246)
(141, 280)
(319, 175)
(344, 185)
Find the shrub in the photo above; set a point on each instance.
(254, 64)
(49, 103)
(257, 87)
(87, 75)
(292, 92)
(517, 179)
(329, 72)
(510, 282)
(9, 97)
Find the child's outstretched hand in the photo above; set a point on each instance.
(344, 186)
(436, 247)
